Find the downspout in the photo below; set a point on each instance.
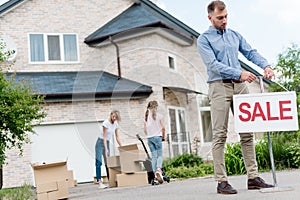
(118, 56)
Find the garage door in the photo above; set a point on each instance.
(74, 143)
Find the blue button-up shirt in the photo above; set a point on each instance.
(219, 52)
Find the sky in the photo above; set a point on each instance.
(3, 1)
(270, 26)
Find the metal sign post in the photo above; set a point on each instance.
(276, 188)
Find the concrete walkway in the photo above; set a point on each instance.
(195, 188)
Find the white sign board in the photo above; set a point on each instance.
(264, 112)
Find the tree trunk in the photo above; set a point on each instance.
(1, 177)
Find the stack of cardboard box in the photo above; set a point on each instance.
(126, 169)
(114, 168)
(52, 180)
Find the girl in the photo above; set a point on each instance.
(110, 127)
(155, 131)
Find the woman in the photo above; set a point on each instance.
(110, 127)
(155, 131)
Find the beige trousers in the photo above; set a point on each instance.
(221, 99)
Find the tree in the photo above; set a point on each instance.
(20, 108)
(288, 68)
(288, 72)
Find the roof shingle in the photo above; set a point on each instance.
(83, 84)
(140, 15)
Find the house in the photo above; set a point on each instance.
(89, 57)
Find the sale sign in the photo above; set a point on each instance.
(263, 112)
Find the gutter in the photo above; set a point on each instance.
(98, 96)
(10, 5)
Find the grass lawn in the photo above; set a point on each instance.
(20, 193)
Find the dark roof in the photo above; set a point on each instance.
(83, 85)
(9, 5)
(144, 14)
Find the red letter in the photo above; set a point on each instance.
(269, 113)
(284, 109)
(258, 112)
(247, 105)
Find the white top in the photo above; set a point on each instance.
(110, 129)
(153, 127)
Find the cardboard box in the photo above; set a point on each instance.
(130, 156)
(138, 178)
(75, 182)
(139, 155)
(46, 187)
(52, 195)
(113, 176)
(53, 190)
(70, 178)
(131, 167)
(42, 196)
(62, 192)
(51, 172)
(52, 180)
(113, 161)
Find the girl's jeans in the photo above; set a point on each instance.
(155, 145)
(99, 149)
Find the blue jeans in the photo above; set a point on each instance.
(99, 149)
(155, 145)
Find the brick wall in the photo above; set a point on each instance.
(17, 171)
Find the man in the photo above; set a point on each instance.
(219, 47)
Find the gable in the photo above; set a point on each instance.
(140, 18)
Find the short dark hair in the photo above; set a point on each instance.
(220, 5)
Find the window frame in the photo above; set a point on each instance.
(204, 109)
(171, 56)
(180, 144)
(46, 52)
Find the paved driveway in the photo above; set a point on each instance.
(195, 188)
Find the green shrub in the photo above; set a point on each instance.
(24, 192)
(234, 159)
(263, 155)
(294, 155)
(186, 166)
(190, 172)
(286, 149)
(187, 160)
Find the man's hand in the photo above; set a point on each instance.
(247, 76)
(268, 73)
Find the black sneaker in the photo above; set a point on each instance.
(225, 188)
(258, 183)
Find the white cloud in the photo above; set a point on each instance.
(161, 5)
(3, 1)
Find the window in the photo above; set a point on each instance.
(206, 126)
(53, 47)
(172, 64)
(178, 137)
